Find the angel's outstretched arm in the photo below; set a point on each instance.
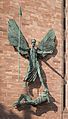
(44, 52)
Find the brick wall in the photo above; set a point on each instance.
(65, 114)
(38, 17)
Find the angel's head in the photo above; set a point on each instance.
(33, 42)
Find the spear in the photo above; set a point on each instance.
(20, 14)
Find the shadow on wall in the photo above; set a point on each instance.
(40, 109)
(5, 114)
(9, 114)
(45, 107)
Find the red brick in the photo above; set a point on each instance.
(38, 17)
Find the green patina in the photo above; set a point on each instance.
(26, 100)
(45, 47)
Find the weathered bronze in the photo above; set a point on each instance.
(26, 100)
(45, 47)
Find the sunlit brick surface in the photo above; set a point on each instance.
(38, 17)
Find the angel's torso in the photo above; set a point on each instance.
(33, 57)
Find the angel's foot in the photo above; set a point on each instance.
(48, 100)
(46, 92)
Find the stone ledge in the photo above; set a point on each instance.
(65, 110)
(65, 113)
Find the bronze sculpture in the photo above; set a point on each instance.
(45, 47)
(27, 100)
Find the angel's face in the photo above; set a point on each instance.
(33, 42)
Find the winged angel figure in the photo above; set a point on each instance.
(45, 47)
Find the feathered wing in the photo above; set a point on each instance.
(14, 35)
(48, 43)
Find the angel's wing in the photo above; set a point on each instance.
(47, 45)
(14, 35)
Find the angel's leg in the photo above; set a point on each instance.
(29, 73)
(40, 76)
